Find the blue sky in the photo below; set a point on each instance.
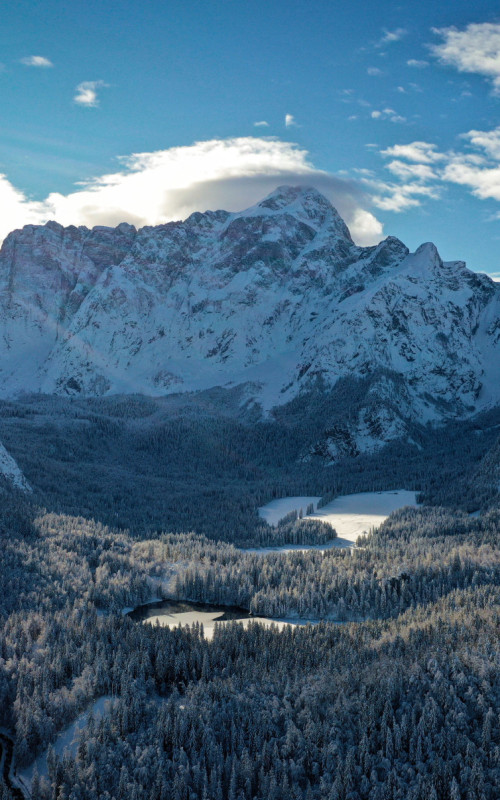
(147, 111)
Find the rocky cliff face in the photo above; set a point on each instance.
(277, 297)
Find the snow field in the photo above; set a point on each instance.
(350, 515)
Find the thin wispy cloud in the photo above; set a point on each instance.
(157, 187)
(374, 71)
(475, 49)
(479, 170)
(400, 197)
(417, 63)
(390, 37)
(36, 61)
(86, 93)
(414, 183)
(415, 177)
(289, 121)
(261, 124)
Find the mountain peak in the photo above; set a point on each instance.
(273, 296)
(307, 204)
(285, 195)
(427, 256)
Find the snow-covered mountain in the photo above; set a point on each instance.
(11, 471)
(277, 297)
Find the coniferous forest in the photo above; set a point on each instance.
(390, 688)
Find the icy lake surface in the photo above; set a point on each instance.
(351, 515)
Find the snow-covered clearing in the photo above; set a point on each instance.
(350, 515)
(67, 739)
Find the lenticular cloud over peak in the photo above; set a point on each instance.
(156, 187)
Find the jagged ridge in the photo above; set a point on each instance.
(277, 297)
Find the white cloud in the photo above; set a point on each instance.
(289, 120)
(475, 49)
(36, 61)
(152, 188)
(417, 63)
(86, 93)
(387, 114)
(419, 179)
(484, 182)
(375, 71)
(17, 210)
(423, 152)
(489, 141)
(477, 168)
(365, 227)
(420, 172)
(398, 197)
(392, 36)
(261, 124)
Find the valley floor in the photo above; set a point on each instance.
(350, 516)
(398, 703)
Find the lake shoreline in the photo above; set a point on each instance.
(228, 613)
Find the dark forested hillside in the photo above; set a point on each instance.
(390, 692)
(205, 463)
(401, 704)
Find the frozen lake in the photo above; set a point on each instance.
(274, 511)
(351, 515)
(172, 613)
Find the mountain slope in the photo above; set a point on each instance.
(11, 471)
(277, 297)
